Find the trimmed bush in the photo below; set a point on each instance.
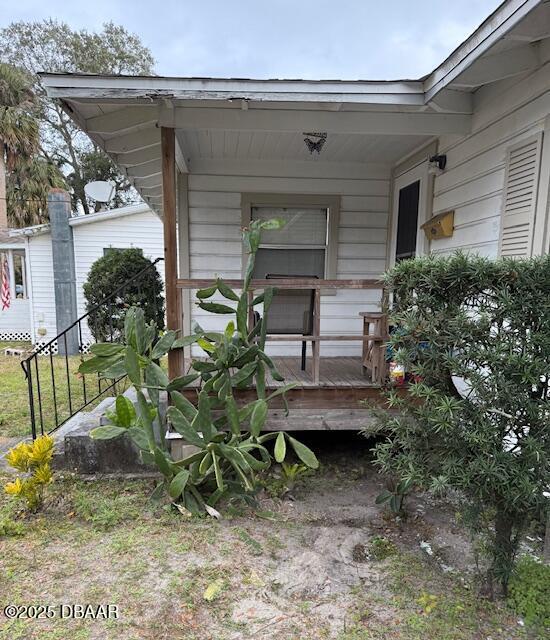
(112, 271)
(474, 337)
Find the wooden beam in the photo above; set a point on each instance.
(173, 299)
(295, 337)
(146, 170)
(316, 347)
(135, 141)
(183, 250)
(146, 88)
(284, 283)
(353, 122)
(149, 183)
(124, 120)
(141, 156)
(152, 191)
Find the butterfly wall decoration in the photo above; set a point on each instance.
(315, 141)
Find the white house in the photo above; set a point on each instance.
(93, 234)
(357, 167)
(15, 322)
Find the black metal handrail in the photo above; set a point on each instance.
(68, 341)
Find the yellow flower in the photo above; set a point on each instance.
(14, 488)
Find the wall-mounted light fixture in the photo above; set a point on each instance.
(438, 162)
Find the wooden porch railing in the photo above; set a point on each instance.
(304, 283)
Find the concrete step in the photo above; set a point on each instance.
(73, 424)
(79, 452)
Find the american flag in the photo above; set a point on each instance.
(6, 293)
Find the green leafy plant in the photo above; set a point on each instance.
(10, 528)
(529, 591)
(230, 452)
(33, 460)
(108, 273)
(291, 474)
(395, 494)
(381, 548)
(474, 334)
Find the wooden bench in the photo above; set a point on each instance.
(375, 323)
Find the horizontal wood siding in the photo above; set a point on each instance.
(505, 113)
(215, 241)
(41, 276)
(142, 231)
(16, 320)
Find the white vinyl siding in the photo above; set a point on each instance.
(520, 198)
(140, 230)
(507, 113)
(215, 240)
(41, 277)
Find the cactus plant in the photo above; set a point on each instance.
(230, 447)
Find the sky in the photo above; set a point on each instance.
(317, 39)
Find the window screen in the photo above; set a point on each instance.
(19, 274)
(298, 249)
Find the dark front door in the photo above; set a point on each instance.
(407, 221)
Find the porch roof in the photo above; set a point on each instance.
(246, 120)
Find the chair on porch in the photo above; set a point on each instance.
(374, 350)
(291, 311)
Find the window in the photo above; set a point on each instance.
(299, 248)
(108, 250)
(20, 276)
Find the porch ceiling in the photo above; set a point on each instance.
(234, 131)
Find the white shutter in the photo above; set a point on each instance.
(520, 198)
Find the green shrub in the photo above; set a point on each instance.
(529, 591)
(474, 335)
(107, 274)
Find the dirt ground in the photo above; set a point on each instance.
(322, 563)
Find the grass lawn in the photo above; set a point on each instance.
(329, 564)
(14, 403)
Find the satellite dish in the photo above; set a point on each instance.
(100, 190)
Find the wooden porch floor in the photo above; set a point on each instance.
(339, 372)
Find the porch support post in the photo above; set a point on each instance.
(173, 299)
(316, 345)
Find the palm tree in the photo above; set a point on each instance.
(25, 176)
(19, 134)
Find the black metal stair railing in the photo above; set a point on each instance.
(56, 390)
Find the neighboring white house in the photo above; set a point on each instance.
(93, 234)
(15, 321)
(471, 139)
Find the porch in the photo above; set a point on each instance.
(331, 158)
(333, 403)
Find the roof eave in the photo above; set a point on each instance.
(496, 26)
